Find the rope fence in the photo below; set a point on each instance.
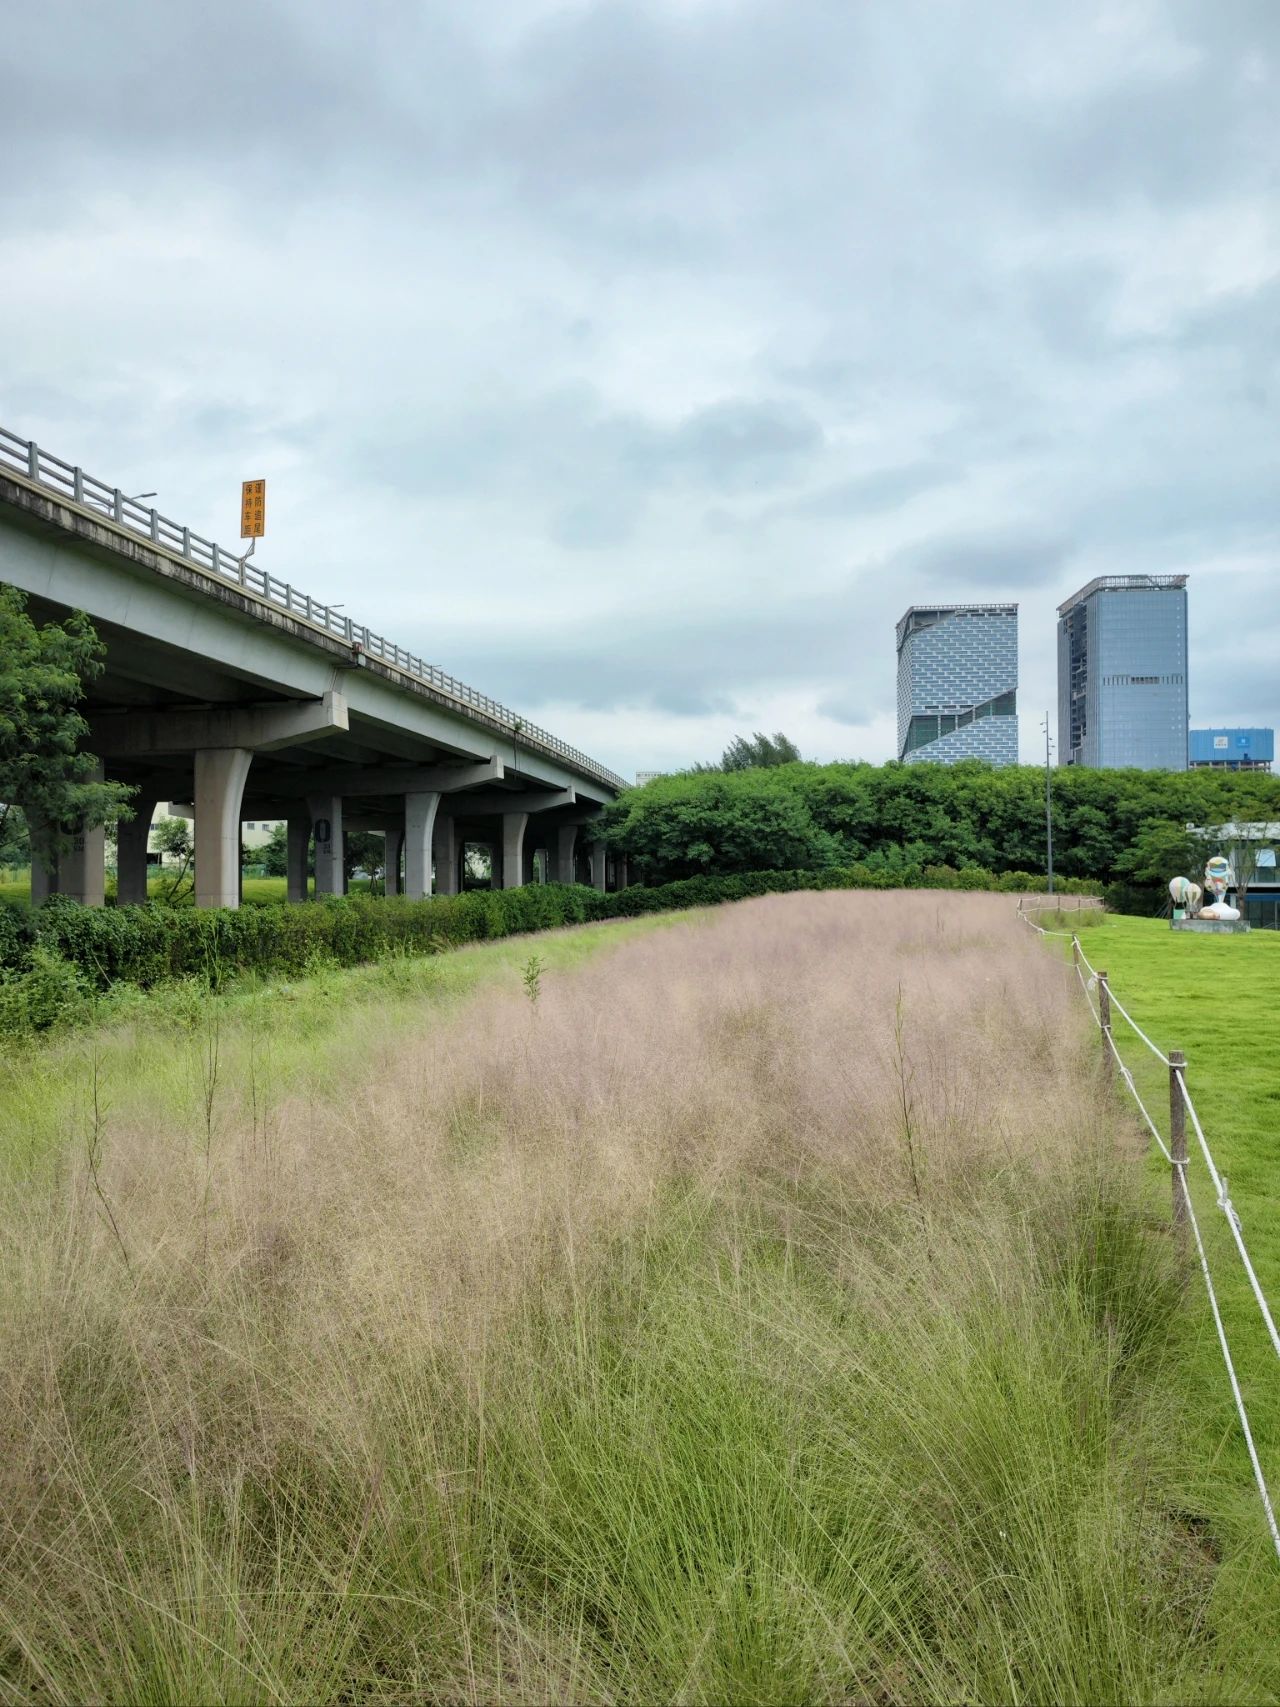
(1175, 1152)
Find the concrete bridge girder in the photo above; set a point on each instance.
(289, 709)
(78, 562)
(260, 729)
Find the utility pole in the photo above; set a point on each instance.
(1048, 803)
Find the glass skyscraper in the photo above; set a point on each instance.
(1122, 673)
(958, 684)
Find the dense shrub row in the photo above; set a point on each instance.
(890, 817)
(146, 945)
(53, 956)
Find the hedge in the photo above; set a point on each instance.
(148, 944)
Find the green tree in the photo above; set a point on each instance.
(175, 837)
(44, 769)
(15, 840)
(274, 853)
(363, 850)
(1160, 851)
(759, 753)
(1112, 826)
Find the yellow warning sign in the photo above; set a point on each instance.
(253, 509)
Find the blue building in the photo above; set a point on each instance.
(958, 684)
(1232, 749)
(1122, 673)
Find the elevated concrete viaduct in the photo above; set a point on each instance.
(230, 690)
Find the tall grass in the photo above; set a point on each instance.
(764, 1313)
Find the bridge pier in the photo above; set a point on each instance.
(620, 871)
(221, 773)
(297, 847)
(326, 826)
(513, 828)
(43, 882)
(81, 873)
(393, 841)
(420, 812)
(598, 868)
(82, 869)
(131, 852)
(444, 847)
(566, 840)
(44, 877)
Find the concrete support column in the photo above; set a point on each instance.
(82, 869)
(420, 811)
(598, 866)
(393, 841)
(44, 878)
(131, 852)
(566, 841)
(444, 847)
(326, 826)
(620, 871)
(513, 827)
(297, 847)
(221, 773)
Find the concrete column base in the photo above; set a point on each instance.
(44, 879)
(566, 842)
(513, 828)
(82, 868)
(393, 841)
(620, 871)
(444, 847)
(598, 854)
(420, 814)
(221, 773)
(131, 853)
(297, 847)
(326, 825)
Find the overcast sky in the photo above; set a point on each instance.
(640, 361)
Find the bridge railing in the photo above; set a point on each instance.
(26, 457)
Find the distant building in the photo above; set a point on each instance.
(958, 684)
(1122, 673)
(1232, 749)
(254, 833)
(647, 776)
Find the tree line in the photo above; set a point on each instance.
(1122, 827)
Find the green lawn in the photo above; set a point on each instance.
(1215, 998)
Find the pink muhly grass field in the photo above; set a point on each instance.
(764, 1310)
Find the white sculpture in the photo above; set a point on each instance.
(1186, 894)
(1218, 877)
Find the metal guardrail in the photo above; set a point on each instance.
(25, 457)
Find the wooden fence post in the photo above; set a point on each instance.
(1178, 1145)
(1104, 1019)
(1075, 951)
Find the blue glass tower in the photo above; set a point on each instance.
(958, 684)
(1122, 673)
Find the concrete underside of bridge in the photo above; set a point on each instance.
(215, 699)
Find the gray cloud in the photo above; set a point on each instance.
(999, 562)
(643, 359)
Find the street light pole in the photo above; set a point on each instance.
(1048, 804)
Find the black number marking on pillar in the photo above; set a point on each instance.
(322, 829)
